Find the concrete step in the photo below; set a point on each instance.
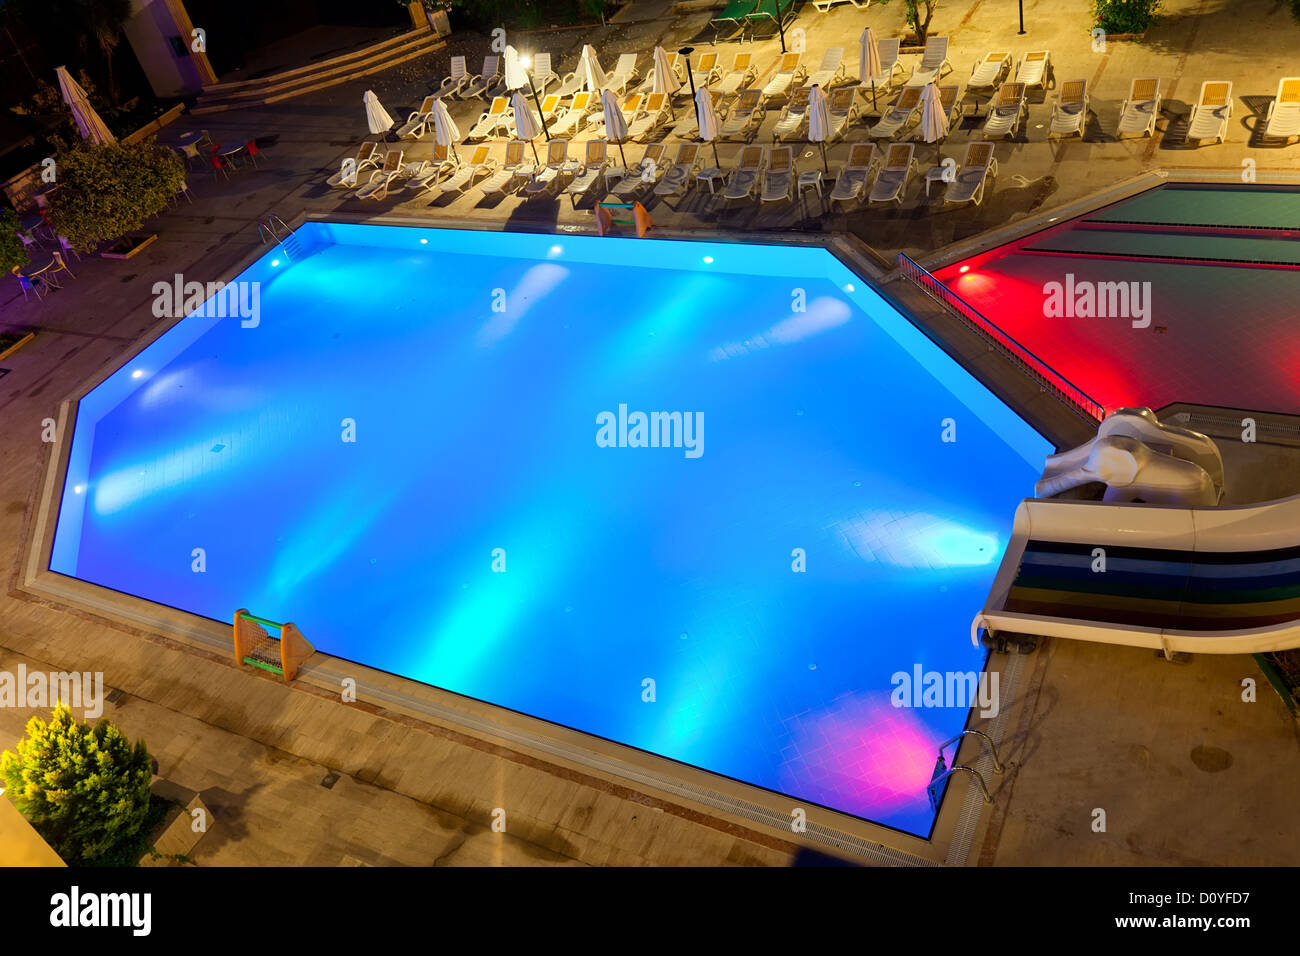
(289, 83)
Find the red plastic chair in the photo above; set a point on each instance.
(219, 165)
(251, 149)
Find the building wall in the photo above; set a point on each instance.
(150, 31)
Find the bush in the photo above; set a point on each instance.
(107, 191)
(1125, 16)
(85, 789)
(12, 251)
(513, 15)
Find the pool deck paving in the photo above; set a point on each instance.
(1186, 771)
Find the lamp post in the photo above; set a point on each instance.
(686, 52)
(1022, 17)
(781, 26)
(526, 62)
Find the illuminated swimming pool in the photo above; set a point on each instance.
(489, 531)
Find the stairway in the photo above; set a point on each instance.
(317, 76)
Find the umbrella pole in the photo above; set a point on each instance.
(535, 156)
(540, 115)
(873, 96)
(717, 161)
(824, 165)
(619, 143)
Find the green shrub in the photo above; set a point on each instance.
(85, 789)
(107, 191)
(513, 15)
(12, 251)
(919, 13)
(1125, 16)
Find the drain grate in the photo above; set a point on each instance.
(329, 780)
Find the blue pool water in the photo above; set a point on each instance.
(476, 430)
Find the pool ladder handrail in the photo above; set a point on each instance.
(942, 771)
(288, 242)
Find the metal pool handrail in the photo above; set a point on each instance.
(1048, 379)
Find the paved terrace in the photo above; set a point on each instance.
(1186, 772)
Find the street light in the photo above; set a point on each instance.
(526, 62)
(781, 26)
(686, 52)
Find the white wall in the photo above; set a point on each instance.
(149, 29)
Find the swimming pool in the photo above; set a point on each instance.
(424, 451)
(1217, 270)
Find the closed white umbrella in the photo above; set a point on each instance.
(706, 117)
(88, 121)
(525, 122)
(819, 120)
(445, 130)
(666, 78)
(869, 66)
(516, 77)
(615, 124)
(376, 116)
(934, 118)
(589, 69)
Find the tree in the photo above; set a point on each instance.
(66, 27)
(84, 789)
(104, 20)
(919, 14)
(107, 191)
(12, 251)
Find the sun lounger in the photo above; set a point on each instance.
(897, 118)
(744, 178)
(431, 175)
(569, 121)
(744, 117)
(977, 168)
(788, 69)
(988, 73)
(623, 74)
(593, 168)
(382, 178)
(1070, 111)
(706, 71)
(1035, 69)
(367, 158)
(495, 119)
(675, 64)
(842, 111)
(933, 60)
(542, 73)
(630, 108)
(1006, 111)
(742, 73)
(891, 181)
(481, 85)
(1138, 113)
(558, 165)
(479, 164)
(654, 113)
(687, 125)
(454, 84)
(779, 176)
(1283, 119)
(831, 69)
(418, 121)
(794, 116)
(824, 6)
(1213, 109)
(681, 173)
(887, 50)
(856, 172)
(731, 21)
(645, 174)
(505, 179)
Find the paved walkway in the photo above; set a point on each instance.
(1185, 771)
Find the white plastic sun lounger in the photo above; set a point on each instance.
(1213, 110)
(681, 174)
(455, 83)
(706, 72)
(824, 6)
(630, 108)
(988, 73)
(1006, 111)
(543, 75)
(794, 116)
(788, 69)
(508, 177)
(899, 116)
(494, 119)
(654, 113)
(480, 85)
(1138, 113)
(977, 168)
(1070, 111)
(480, 164)
(887, 48)
(674, 64)
(1283, 119)
(687, 123)
(842, 111)
(558, 165)
(571, 120)
(623, 74)
(933, 60)
(779, 176)
(593, 168)
(856, 172)
(383, 177)
(891, 181)
(1035, 69)
(830, 71)
(645, 174)
(745, 116)
(418, 121)
(431, 175)
(367, 158)
(744, 178)
(742, 73)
